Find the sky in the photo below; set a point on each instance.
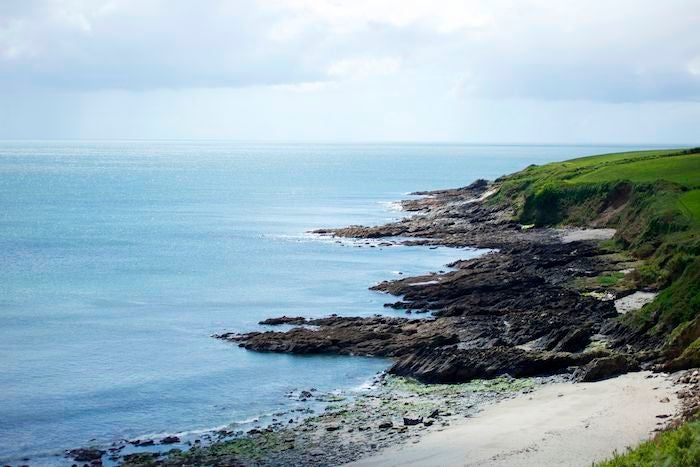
(497, 71)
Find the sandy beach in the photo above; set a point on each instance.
(560, 424)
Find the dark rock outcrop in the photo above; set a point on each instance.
(86, 454)
(377, 336)
(606, 367)
(454, 365)
(283, 320)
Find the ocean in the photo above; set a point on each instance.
(120, 259)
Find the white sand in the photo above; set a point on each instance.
(568, 235)
(560, 424)
(634, 301)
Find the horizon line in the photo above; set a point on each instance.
(350, 142)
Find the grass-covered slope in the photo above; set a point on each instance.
(676, 448)
(652, 198)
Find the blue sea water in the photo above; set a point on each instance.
(121, 259)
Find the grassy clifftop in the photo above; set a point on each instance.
(652, 198)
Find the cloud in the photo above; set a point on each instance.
(141, 45)
(361, 68)
(626, 51)
(694, 66)
(352, 16)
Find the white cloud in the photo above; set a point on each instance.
(362, 68)
(399, 57)
(350, 16)
(309, 86)
(694, 66)
(463, 85)
(630, 50)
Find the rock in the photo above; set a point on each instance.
(606, 367)
(332, 428)
(144, 442)
(434, 414)
(412, 421)
(284, 320)
(86, 454)
(385, 425)
(137, 458)
(170, 440)
(455, 365)
(428, 423)
(574, 340)
(376, 336)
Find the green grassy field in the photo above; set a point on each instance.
(689, 204)
(684, 170)
(673, 165)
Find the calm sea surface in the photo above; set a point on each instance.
(120, 259)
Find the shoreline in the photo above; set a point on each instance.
(402, 422)
(539, 307)
(559, 424)
(394, 410)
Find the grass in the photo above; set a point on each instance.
(679, 447)
(689, 204)
(683, 170)
(610, 279)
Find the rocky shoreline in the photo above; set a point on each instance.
(526, 309)
(393, 411)
(531, 311)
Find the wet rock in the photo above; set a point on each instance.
(284, 320)
(376, 336)
(142, 442)
(170, 440)
(385, 425)
(138, 458)
(86, 454)
(412, 421)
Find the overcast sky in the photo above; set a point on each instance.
(616, 71)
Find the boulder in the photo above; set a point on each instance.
(86, 454)
(606, 367)
(170, 440)
(412, 421)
